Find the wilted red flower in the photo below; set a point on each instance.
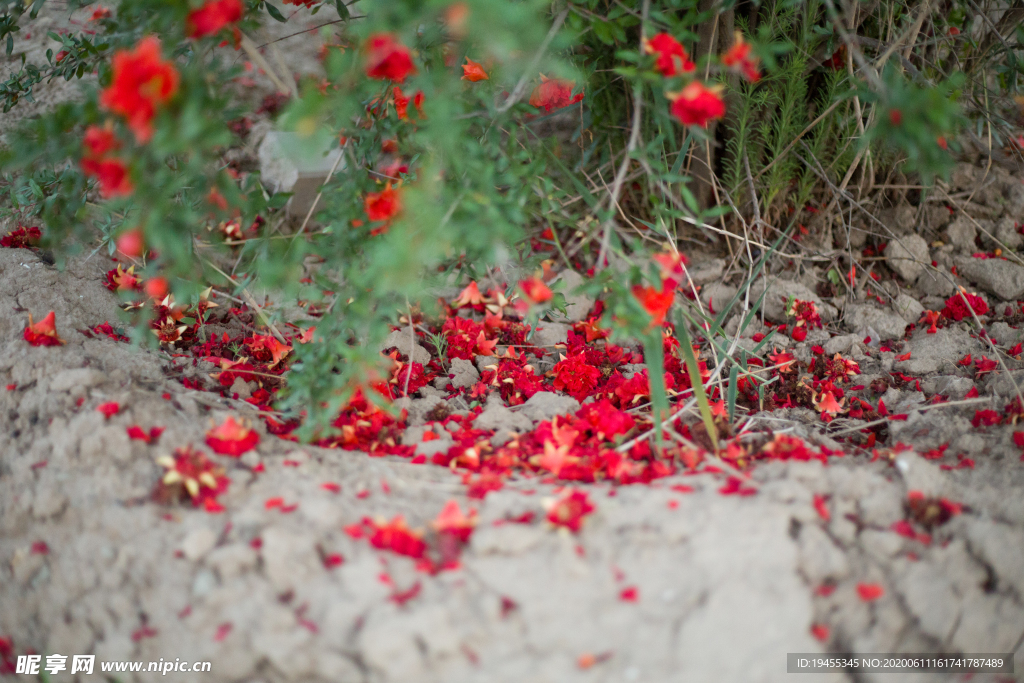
(121, 280)
(957, 309)
(232, 438)
(44, 332)
(554, 93)
(383, 205)
(670, 265)
(672, 59)
(473, 71)
(212, 17)
(156, 287)
(575, 377)
(191, 473)
(452, 521)
(986, 417)
(141, 82)
(655, 302)
(21, 238)
(388, 59)
(100, 13)
(397, 537)
(697, 104)
(535, 290)
(740, 58)
(569, 510)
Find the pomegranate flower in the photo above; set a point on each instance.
(21, 238)
(740, 58)
(109, 409)
(957, 309)
(212, 17)
(112, 175)
(402, 106)
(142, 81)
(473, 71)
(672, 59)
(554, 93)
(697, 104)
(189, 472)
(575, 377)
(388, 59)
(383, 205)
(570, 510)
(44, 332)
(655, 302)
(452, 521)
(130, 243)
(397, 537)
(536, 291)
(232, 438)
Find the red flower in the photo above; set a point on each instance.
(130, 243)
(452, 521)
(383, 205)
(574, 376)
(986, 417)
(799, 334)
(629, 594)
(398, 538)
(142, 81)
(957, 310)
(98, 141)
(569, 510)
(895, 117)
(672, 59)
(112, 174)
(739, 58)
(697, 104)
(820, 632)
(387, 59)
(402, 105)
(190, 472)
(212, 17)
(869, 592)
(931, 319)
(121, 280)
(232, 438)
(655, 302)
(473, 71)
(554, 93)
(44, 332)
(156, 287)
(535, 290)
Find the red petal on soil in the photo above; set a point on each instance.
(334, 560)
(331, 486)
(821, 507)
(869, 592)
(222, 632)
(402, 597)
(109, 409)
(629, 594)
(820, 632)
(40, 548)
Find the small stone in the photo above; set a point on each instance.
(548, 334)
(464, 373)
(961, 233)
(240, 387)
(577, 305)
(399, 339)
(1006, 233)
(920, 475)
(907, 256)
(841, 344)
(706, 271)
(545, 405)
(996, 276)
(497, 417)
(287, 164)
(931, 283)
(484, 363)
(908, 308)
(861, 317)
(198, 542)
(930, 597)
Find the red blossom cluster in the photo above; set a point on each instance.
(671, 58)
(190, 475)
(44, 332)
(21, 238)
(554, 93)
(111, 172)
(212, 17)
(142, 81)
(807, 317)
(957, 308)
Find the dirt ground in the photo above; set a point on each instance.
(667, 581)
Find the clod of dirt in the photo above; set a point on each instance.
(907, 256)
(577, 305)
(546, 405)
(861, 317)
(463, 374)
(996, 276)
(399, 339)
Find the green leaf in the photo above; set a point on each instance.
(342, 9)
(734, 376)
(275, 13)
